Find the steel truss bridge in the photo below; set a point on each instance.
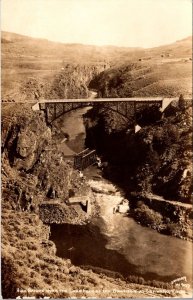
(126, 107)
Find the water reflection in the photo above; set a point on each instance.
(139, 251)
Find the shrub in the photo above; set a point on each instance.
(182, 103)
(141, 280)
(9, 274)
(31, 246)
(147, 216)
(48, 280)
(174, 229)
(37, 268)
(21, 236)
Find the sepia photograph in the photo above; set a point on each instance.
(96, 149)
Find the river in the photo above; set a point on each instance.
(113, 241)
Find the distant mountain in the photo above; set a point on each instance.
(19, 45)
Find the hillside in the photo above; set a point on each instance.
(37, 68)
(24, 46)
(162, 71)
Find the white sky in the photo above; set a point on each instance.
(133, 23)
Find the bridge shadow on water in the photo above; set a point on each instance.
(85, 246)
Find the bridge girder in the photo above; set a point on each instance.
(126, 109)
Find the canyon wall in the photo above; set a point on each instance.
(155, 159)
(33, 169)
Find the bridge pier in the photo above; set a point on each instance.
(83, 201)
(36, 107)
(165, 103)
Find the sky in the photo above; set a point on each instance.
(129, 23)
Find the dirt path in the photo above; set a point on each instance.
(176, 203)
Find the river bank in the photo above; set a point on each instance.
(32, 268)
(121, 245)
(51, 166)
(152, 165)
(118, 231)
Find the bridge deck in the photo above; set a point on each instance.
(95, 100)
(137, 99)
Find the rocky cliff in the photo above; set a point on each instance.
(155, 159)
(70, 81)
(33, 169)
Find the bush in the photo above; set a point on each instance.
(182, 103)
(31, 246)
(9, 275)
(148, 216)
(174, 229)
(141, 280)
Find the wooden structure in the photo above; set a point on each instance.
(84, 159)
(82, 201)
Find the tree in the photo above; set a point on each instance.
(182, 103)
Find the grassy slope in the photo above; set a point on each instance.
(30, 66)
(30, 69)
(162, 71)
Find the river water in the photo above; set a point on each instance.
(113, 241)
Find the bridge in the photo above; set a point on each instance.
(126, 107)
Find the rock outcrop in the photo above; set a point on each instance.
(33, 168)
